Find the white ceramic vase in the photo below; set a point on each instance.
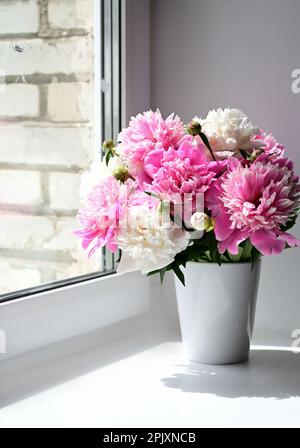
(216, 311)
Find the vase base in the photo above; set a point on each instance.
(219, 363)
(216, 311)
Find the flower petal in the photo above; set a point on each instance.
(291, 240)
(267, 242)
(153, 161)
(222, 226)
(232, 242)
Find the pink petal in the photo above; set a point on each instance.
(153, 161)
(222, 226)
(233, 163)
(143, 178)
(267, 242)
(195, 152)
(290, 239)
(212, 197)
(232, 242)
(112, 246)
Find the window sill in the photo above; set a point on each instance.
(141, 379)
(54, 316)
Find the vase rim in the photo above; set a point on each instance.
(211, 263)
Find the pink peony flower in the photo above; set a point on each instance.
(147, 132)
(182, 172)
(255, 202)
(270, 145)
(99, 218)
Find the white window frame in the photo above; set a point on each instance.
(53, 315)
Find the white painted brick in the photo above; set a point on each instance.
(39, 233)
(15, 277)
(63, 238)
(19, 16)
(19, 100)
(68, 55)
(83, 266)
(70, 101)
(64, 191)
(61, 146)
(20, 187)
(25, 232)
(70, 14)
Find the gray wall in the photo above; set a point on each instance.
(238, 53)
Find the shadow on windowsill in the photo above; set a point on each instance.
(268, 374)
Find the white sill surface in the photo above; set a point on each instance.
(143, 380)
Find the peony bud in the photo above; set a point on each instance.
(108, 145)
(194, 128)
(121, 173)
(211, 225)
(255, 154)
(201, 221)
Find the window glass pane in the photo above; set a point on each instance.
(49, 134)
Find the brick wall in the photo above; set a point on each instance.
(46, 137)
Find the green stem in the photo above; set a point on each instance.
(207, 144)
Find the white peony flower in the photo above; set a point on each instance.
(146, 243)
(228, 131)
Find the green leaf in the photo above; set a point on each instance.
(164, 207)
(290, 223)
(178, 272)
(244, 254)
(247, 249)
(205, 140)
(154, 195)
(245, 154)
(181, 260)
(162, 274)
(207, 144)
(218, 258)
(194, 252)
(255, 257)
(235, 258)
(108, 156)
(213, 248)
(225, 257)
(157, 271)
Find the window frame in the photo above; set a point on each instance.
(90, 292)
(108, 80)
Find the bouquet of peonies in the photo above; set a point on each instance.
(216, 190)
